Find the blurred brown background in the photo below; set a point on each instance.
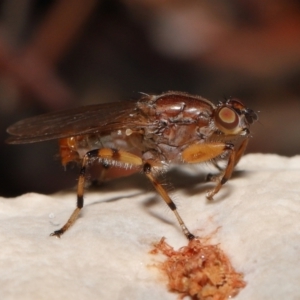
(66, 53)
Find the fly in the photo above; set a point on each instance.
(145, 135)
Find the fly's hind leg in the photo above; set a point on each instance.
(80, 191)
(105, 155)
(148, 170)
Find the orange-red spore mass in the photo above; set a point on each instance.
(199, 270)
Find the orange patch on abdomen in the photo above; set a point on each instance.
(68, 150)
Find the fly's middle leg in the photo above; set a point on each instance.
(148, 170)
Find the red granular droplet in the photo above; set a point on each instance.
(199, 270)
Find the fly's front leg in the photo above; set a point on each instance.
(234, 158)
(238, 154)
(198, 153)
(148, 170)
(240, 151)
(107, 156)
(226, 174)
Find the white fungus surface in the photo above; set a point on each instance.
(255, 218)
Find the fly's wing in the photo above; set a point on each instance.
(79, 121)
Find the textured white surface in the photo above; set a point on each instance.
(105, 254)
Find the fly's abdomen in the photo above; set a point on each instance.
(73, 149)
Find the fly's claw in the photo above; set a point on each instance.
(210, 194)
(190, 237)
(57, 233)
(210, 177)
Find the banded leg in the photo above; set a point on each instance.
(107, 155)
(204, 152)
(162, 192)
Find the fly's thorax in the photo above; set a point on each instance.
(175, 119)
(176, 106)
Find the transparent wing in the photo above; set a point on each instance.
(79, 121)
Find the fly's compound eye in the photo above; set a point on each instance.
(227, 119)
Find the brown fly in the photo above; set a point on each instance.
(146, 135)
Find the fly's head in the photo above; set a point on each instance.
(232, 117)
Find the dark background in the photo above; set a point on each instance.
(61, 54)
